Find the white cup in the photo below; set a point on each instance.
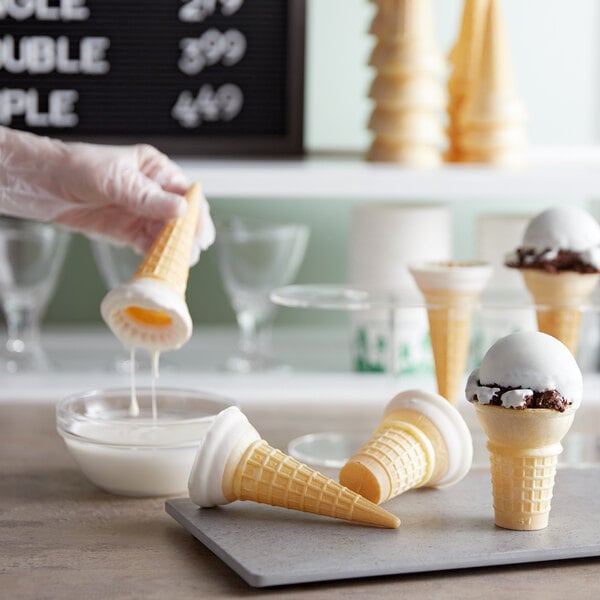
(384, 239)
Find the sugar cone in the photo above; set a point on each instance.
(450, 313)
(493, 98)
(410, 449)
(451, 291)
(559, 298)
(234, 463)
(524, 446)
(168, 260)
(150, 310)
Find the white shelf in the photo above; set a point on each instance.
(552, 172)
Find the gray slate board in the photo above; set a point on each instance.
(441, 529)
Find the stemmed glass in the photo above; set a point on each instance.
(31, 258)
(254, 257)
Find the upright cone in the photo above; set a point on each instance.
(559, 298)
(421, 441)
(234, 463)
(524, 446)
(451, 292)
(150, 310)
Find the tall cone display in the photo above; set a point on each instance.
(408, 94)
(150, 310)
(242, 466)
(465, 58)
(451, 292)
(524, 446)
(491, 120)
(559, 298)
(410, 449)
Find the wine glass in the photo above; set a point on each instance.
(117, 265)
(254, 257)
(31, 258)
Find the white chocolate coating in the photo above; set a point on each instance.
(464, 277)
(562, 228)
(229, 429)
(448, 422)
(148, 294)
(529, 361)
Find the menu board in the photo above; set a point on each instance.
(189, 76)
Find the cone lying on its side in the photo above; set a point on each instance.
(451, 291)
(524, 446)
(234, 463)
(150, 311)
(421, 441)
(560, 297)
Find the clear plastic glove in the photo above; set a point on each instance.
(122, 193)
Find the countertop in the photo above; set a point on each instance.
(63, 538)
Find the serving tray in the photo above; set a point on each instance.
(441, 529)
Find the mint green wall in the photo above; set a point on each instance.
(337, 109)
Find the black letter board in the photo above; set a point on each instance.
(195, 77)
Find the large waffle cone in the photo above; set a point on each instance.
(559, 298)
(406, 451)
(449, 313)
(524, 446)
(263, 474)
(168, 260)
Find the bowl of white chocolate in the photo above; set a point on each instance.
(140, 443)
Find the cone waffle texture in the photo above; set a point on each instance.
(168, 260)
(267, 475)
(524, 446)
(559, 297)
(449, 313)
(398, 457)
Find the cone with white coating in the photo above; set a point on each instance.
(150, 310)
(451, 292)
(234, 463)
(524, 446)
(559, 298)
(421, 441)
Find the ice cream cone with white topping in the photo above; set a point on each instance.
(234, 463)
(150, 311)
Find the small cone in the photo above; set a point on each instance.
(234, 463)
(168, 260)
(449, 315)
(559, 298)
(410, 449)
(524, 446)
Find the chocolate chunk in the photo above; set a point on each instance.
(547, 399)
(564, 260)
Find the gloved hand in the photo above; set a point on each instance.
(123, 193)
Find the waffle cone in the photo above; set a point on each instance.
(406, 451)
(263, 474)
(524, 446)
(449, 313)
(168, 260)
(559, 298)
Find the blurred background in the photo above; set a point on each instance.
(555, 52)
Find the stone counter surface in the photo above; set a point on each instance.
(60, 537)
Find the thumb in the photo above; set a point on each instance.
(147, 198)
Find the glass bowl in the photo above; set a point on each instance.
(137, 455)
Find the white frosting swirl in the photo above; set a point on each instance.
(149, 294)
(448, 422)
(229, 429)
